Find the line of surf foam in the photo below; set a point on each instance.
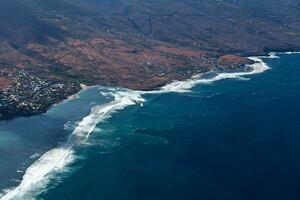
(274, 55)
(271, 55)
(35, 175)
(55, 160)
(184, 86)
(288, 52)
(122, 99)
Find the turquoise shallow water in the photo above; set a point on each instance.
(231, 139)
(23, 140)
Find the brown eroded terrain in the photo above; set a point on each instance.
(5, 82)
(132, 65)
(138, 44)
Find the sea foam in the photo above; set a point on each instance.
(54, 161)
(289, 52)
(184, 86)
(37, 176)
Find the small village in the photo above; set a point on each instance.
(29, 94)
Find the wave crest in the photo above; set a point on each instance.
(38, 174)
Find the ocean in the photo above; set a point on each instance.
(223, 136)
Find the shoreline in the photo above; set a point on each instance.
(59, 157)
(271, 54)
(73, 96)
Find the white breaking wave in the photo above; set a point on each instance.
(271, 55)
(39, 173)
(54, 161)
(184, 86)
(122, 99)
(289, 52)
(275, 54)
(35, 175)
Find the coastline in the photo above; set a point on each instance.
(58, 158)
(271, 54)
(73, 96)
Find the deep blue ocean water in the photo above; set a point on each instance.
(233, 139)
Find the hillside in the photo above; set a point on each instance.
(138, 44)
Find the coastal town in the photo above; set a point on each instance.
(28, 94)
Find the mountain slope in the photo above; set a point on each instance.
(139, 44)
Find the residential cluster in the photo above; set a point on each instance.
(29, 94)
